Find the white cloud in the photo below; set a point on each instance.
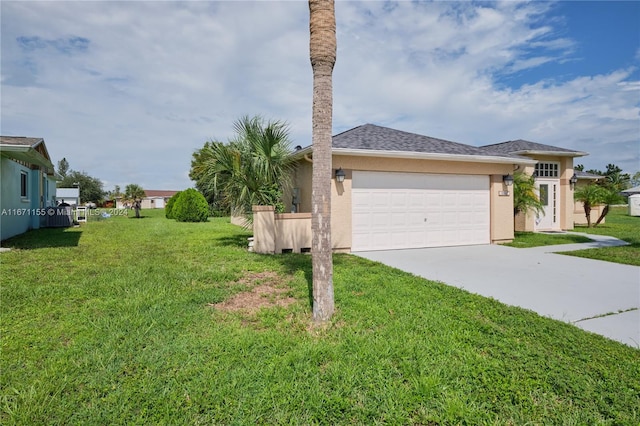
(154, 80)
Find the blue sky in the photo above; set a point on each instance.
(126, 91)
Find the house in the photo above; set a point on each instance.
(154, 199)
(553, 170)
(69, 196)
(583, 179)
(631, 191)
(397, 190)
(28, 185)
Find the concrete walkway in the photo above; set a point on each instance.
(601, 297)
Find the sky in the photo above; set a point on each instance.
(127, 91)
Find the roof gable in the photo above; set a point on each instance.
(28, 150)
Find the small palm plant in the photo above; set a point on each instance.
(525, 198)
(253, 168)
(590, 195)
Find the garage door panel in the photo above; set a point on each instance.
(410, 210)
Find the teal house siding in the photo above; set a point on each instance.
(27, 185)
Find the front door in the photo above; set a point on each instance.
(548, 193)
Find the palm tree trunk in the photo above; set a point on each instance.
(602, 215)
(587, 213)
(322, 46)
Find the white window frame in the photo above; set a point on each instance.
(547, 169)
(24, 185)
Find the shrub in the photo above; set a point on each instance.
(191, 206)
(168, 209)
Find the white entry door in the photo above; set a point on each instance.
(548, 192)
(413, 210)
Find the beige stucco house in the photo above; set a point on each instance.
(402, 190)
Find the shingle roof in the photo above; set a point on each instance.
(159, 193)
(372, 137)
(19, 140)
(520, 146)
(584, 175)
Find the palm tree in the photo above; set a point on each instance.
(589, 196)
(525, 198)
(254, 168)
(609, 196)
(322, 47)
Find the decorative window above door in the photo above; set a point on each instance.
(547, 170)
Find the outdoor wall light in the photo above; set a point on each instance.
(340, 175)
(573, 181)
(507, 179)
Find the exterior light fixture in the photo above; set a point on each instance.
(340, 175)
(507, 179)
(573, 181)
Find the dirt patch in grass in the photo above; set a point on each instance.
(267, 289)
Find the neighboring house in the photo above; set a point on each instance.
(404, 190)
(631, 191)
(69, 196)
(154, 199)
(553, 169)
(28, 184)
(579, 217)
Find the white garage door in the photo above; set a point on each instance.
(413, 210)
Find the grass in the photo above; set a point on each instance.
(620, 225)
(117, 322)
(535, 239)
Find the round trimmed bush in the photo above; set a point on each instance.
(191, 206)
(168, 208)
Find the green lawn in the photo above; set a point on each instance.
(620, 225)
(535, 239)
(121, 321)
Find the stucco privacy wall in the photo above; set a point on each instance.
(275, 233)
(341, 193)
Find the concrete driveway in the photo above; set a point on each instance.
(601, 297)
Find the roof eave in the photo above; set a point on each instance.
(433, 156)
(25, 153)
(552, 153)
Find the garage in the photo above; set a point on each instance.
(393, 210)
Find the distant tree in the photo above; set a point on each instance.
(589, 195)
(635, 179)
(91, 188)
(116, 193)
(616, 180)
(133, 192)
(63, 167)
